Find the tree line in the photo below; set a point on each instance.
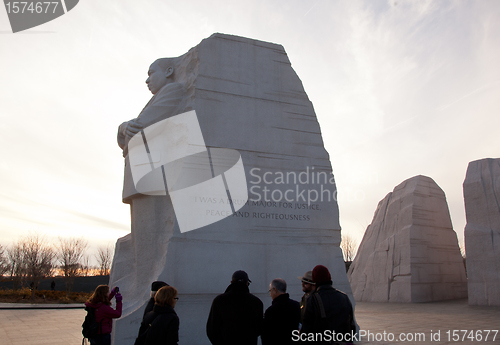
(32, 258)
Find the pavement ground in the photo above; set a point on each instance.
(434, 320)
(421, 322)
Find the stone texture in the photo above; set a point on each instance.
(248, 98)
(482, 231)
(409, 252)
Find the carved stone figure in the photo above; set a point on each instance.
(247, 98)
(409, 252)
(482, 232)
(169, 99)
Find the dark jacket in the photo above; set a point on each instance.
(164, 329)
(338, 309)
(149, 307)
(235, 317)
(303, 304)
(280, 319)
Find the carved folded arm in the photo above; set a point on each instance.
(166, 103)
(121, 135)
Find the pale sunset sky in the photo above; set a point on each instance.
(400, 88)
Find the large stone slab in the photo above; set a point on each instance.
(482, 231)
(247, 98)
(409, 252)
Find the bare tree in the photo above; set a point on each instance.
(86, 265)
(17, 268)
(4, 262)
(349, 247)
(38, 259)
(70, 253)
(461, 245)
(104, 257)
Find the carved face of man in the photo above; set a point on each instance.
(157, 77)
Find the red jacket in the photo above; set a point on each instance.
(106, 314)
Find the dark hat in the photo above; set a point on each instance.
(155, 286)
(307, 278)
(320, 274)
(240, 276)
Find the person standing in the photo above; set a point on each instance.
(308, 287)
(161, 326)
(282, 317)
(328, 309)
(155, 286)
(236, 315)
(100, 301)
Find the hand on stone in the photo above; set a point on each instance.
(132, 129)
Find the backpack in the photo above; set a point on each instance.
(143, 331)
(90, 325)
(322, 313)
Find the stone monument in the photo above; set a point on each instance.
(409, 252)
(482, 232)
(235, 94)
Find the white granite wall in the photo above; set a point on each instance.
(482, 232)
(409, 252)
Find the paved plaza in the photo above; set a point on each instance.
(23, 326)
(410, 320)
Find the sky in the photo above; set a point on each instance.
(400, 88)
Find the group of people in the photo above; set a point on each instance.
(238, 317)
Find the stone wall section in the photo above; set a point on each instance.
(482, 231)
(409, 252)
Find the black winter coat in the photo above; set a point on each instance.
(235, 317)
(164, 329)
(280, 320)
(338, 309)
(149, 307)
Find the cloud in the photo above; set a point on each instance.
(400, 88)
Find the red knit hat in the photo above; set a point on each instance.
(321, 275)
